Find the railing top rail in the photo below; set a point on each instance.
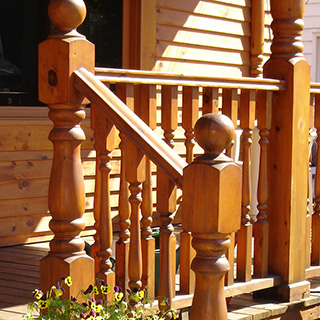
(152, 77)
(130, 124)
(314, 87)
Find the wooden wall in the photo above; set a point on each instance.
(25, 164)
(193, 37)
(311, 37)
(207, 37)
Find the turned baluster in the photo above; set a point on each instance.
(135, 175)
(66, 187)
(169, 113)
(211, 211)
(210, 100)
(244, 236)
(169, 122)
(257, 38)
(105, 146)
(312, 137)
(230, 109)
(95, 248)
(146, 110)
(167, 200)
(261, 227)
(126, 93)
(166, 206)
(315, 253)
(190, 114)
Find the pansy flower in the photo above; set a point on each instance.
(43, 304)
(68, 281)
(105, 289)
(38, 294)
(58, 290)
(95, 290)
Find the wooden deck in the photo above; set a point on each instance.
(19, 276)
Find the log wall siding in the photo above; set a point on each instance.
(25, 164)
(204, 37)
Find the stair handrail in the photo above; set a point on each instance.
(130, 124)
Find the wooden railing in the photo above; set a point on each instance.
(171, 104)
(247, 101)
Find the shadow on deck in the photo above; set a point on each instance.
(19, 276)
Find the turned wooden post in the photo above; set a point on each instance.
(62, 53)
(288, 161)
(257, 37)
(211, 211)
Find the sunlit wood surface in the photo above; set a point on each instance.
(19, 266)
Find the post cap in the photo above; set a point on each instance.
(214, 132)
(67, 15)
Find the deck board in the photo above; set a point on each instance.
(19, 276)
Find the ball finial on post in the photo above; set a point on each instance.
(67, 15)
(214, 132)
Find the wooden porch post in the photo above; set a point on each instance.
(211, 211)
(62, 53)
(288, 158)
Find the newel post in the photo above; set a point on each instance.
(211, 212)
(62, 53)
(288, 150)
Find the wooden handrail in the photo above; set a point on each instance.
(149, 77)
(130, 124)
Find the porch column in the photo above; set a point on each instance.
(288, 158)
(62, 53)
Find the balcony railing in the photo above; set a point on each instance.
(151, 120)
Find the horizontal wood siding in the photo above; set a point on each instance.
(309, 36)
(207, 37)
(25, 165)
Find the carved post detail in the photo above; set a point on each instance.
(288, 144)
(126, 93)
(257, 37)
(211, 212)
(62, 53)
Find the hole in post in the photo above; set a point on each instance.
(52, 78)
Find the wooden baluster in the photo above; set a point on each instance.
(190, 114)
(126, 93)
(105, 146)
(312, 137)
(147, 112)
(257, 37)
(135, 175)
(244, 236)
(169, 113)
(288, 160)
(169, 123)
(211, 211)
(315, 253)
(230, 109)
(66, 187)
(95, 248)
(210, 98)
(166, 206)
(100, 140)
(261, 227)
